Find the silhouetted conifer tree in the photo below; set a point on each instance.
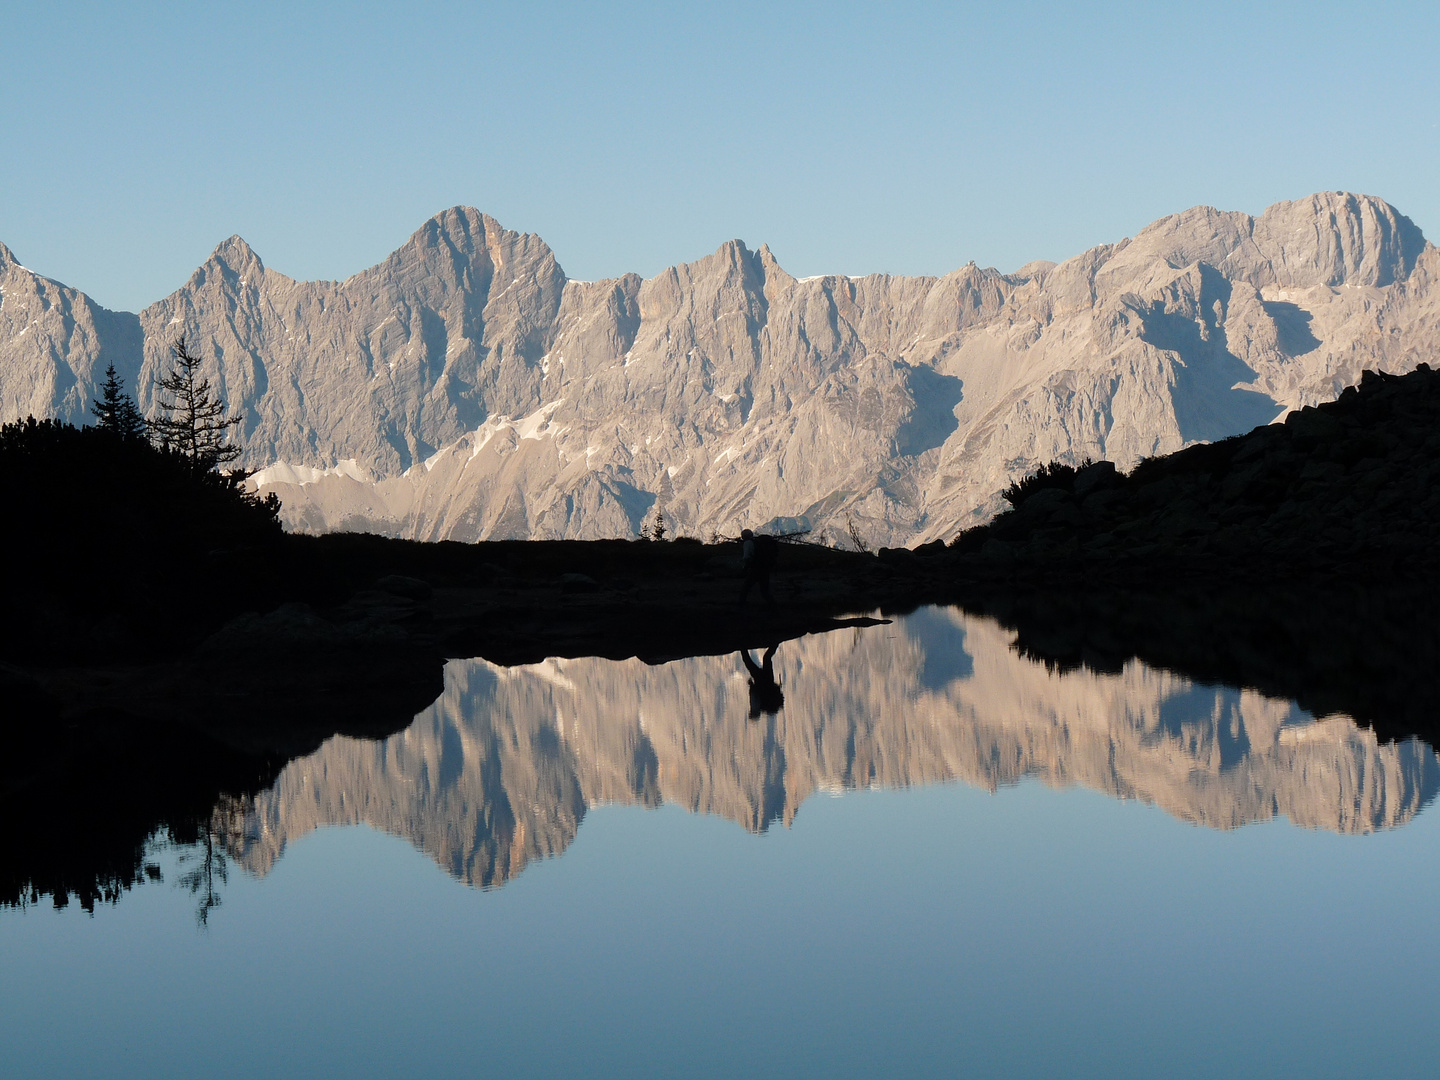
(654, 529)
(196, 422)
(115, 410)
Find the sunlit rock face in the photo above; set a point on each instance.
(55, 343)
(466, 389)
(501, 769)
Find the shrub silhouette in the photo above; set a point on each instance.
(1054, 474)
(654, 529)
(857, 539)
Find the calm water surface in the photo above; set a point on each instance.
(938, 858)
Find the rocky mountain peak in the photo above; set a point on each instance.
(732, 255)
(233, 261)
(770, 267)
(1331, 238)
(238, 255)
(460, 227)
(466, 231)
(7, 258)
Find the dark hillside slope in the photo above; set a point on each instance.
(1350, 488)
(110, 544)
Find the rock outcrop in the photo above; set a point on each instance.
(466, 389)
(501, 769)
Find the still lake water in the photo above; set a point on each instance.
(939, 858)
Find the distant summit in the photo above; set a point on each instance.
(489, 396)
(235, 253)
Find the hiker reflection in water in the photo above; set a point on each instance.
(765, 693)
(757, 557)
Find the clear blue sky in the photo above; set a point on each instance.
(852, 138)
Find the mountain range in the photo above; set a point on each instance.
(466, 389)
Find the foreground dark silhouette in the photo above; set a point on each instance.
(115, 547)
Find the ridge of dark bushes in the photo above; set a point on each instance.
(1351, 486)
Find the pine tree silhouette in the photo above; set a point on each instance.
(196, 424)
(115, 410)
(654, 529)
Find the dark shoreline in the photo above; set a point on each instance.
(357, 642)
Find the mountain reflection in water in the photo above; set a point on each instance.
(502, 767)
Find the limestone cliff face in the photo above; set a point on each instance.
(55, 343)
(465, 389)
(500, 770)
(381, 368)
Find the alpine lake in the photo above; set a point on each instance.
(901, 849)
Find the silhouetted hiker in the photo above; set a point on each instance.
(757, 557)
(765, 693)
